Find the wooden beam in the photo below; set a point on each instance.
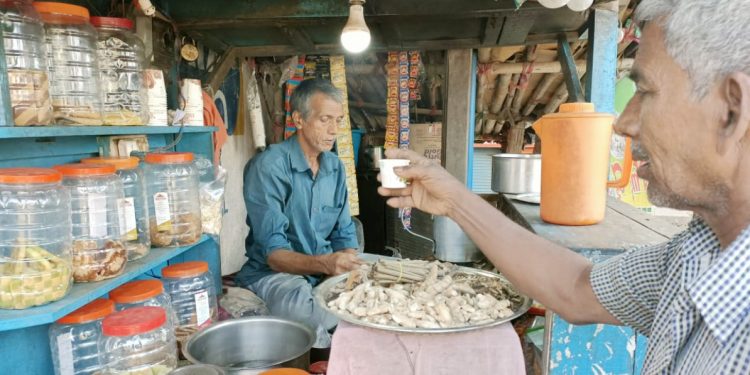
(299, 38)
(492, 29)
(458, 127)
(570, 71)
(228, 60)
(543, 67)
(515, 30)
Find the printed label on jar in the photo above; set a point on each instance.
(65, 353)
(128, 227)
(202, 308)
(97, 207)
(163, 214)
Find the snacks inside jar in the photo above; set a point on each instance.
(32, 277)
(184, 230)
(95, 262)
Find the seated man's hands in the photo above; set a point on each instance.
(342, 261)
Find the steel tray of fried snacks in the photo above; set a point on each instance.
(330, 289)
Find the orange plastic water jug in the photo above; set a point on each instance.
(575, 162)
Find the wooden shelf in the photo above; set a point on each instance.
(72, 131)
(84, 293)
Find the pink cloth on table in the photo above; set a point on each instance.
(356, 350)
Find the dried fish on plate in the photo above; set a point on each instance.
(421, 296)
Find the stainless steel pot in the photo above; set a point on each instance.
(516, 173)
(450, 243)
(249, 346)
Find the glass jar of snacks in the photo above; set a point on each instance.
(98, 249)
(34, 238)
(173, 199)
(193, 294)
(121, 57)
(70, 44)
(25, 57)
(138, 340)
(132, 208)
(74, 339)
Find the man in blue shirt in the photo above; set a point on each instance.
(298, 212)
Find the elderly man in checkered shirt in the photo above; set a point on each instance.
(690, 124)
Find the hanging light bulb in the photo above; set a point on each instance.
(553, 4)
(355, 37)
(579, 5)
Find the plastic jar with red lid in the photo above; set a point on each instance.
(143, 293)
(193, 294)
(98, 249)
(35, 240)
(70, 42)
(120, 54)
(132, 208)
(74, 339)
(138, 340)
(173, 198)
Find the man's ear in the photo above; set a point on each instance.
(297, 118)
(736, 120)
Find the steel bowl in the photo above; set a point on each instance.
(249, 346)
(198, 370)
(516, 173)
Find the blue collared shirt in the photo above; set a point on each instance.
(288, 208)
(689, 296)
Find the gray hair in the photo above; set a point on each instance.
(300, 100)
(710, 39)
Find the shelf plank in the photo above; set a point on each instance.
(72, 131)
(84, 293)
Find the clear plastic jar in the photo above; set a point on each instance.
(98, 249)
(23, 35)
(132, 208)
(173, 199)
(193, 294)
(34, 238)
(138, 341)
(121, 59)
(71, 62)
(74, 339)
(143, 293)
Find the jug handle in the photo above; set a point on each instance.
(627, 166)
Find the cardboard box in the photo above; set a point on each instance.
(426, 139)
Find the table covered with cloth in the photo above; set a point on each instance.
(357, 350)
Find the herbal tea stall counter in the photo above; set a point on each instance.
(601, 348)
(24, 342)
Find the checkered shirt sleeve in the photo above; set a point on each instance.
(630, 285)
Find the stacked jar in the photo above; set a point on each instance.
(34, 238)
(138, 340)
(71, 62)
(74, 339)
(193, 294)
(121, 58)
(23, 37)
(98, 249)
(173, 199)
(132, 208)
(143, 293)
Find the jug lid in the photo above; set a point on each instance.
(579, 109)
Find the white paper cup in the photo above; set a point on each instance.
(388, 178)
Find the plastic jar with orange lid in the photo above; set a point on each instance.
(74, 339)
(138, 340)
(34, 237)
(132, 208)
(193, 294)
(72, 63)
(173, 199)
(98, 249)
(143, 293)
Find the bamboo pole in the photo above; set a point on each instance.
(544, 67)
(501, 91)
(559, 97)
(539, 92)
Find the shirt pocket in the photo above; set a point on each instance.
(327, 220)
